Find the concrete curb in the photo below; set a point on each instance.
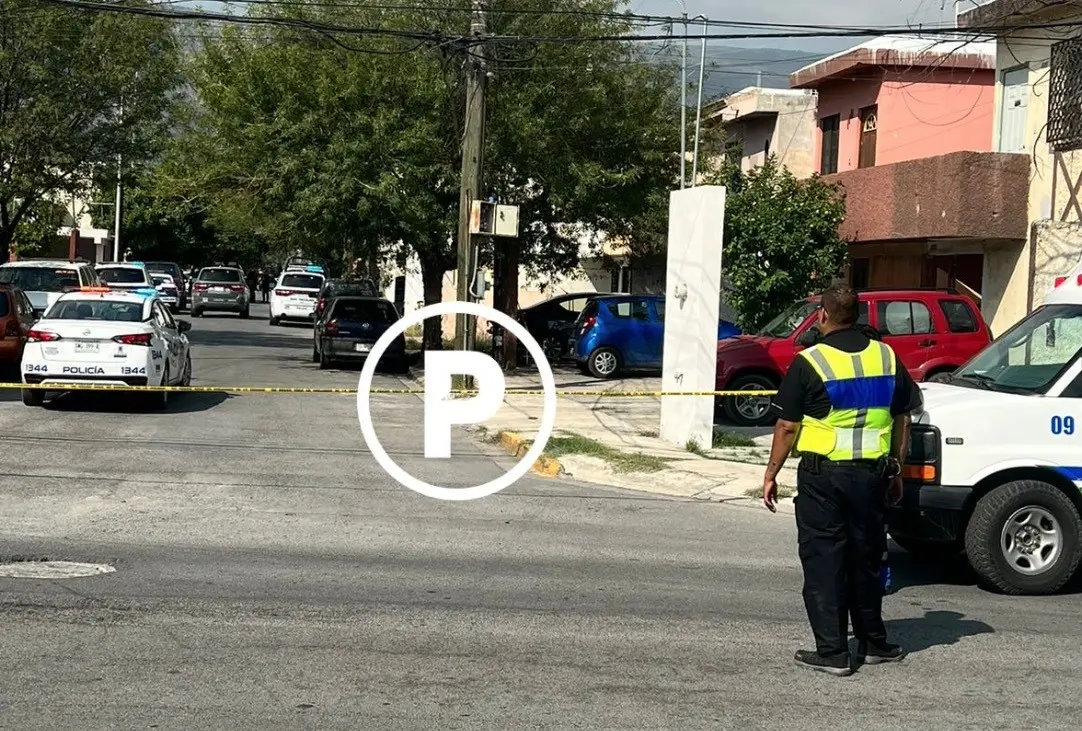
(518, 445)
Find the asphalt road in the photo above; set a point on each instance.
(270, 575)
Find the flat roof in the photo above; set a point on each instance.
(997, 12)
(942, 52)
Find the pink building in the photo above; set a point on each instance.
(905, 126)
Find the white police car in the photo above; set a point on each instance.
(129, 275)
(103, 336)
(295, 294)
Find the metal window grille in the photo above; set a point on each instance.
(1065, 96)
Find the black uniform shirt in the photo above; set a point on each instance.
(802, 392)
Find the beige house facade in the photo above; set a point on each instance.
(1038, 84)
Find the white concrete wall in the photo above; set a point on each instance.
(692, 295)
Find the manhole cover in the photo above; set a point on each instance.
(53, 570)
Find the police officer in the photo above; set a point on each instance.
(844, 404)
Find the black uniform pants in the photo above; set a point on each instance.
(840, 530)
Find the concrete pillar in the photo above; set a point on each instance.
(692, 298)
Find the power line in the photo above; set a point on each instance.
(782, 30)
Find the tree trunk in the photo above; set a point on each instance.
(432, 278)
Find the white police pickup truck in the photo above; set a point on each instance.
(104, 336)
(995, 461)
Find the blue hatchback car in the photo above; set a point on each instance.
(625, 332)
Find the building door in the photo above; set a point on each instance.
(1012, 113)
(869, 124)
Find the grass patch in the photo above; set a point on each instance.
(653, 433)
(622, 462)
(695, 448)
(723, 439)
(783, 491)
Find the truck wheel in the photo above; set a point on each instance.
(928, 549)
(749, 410)
(941, 377)
(1023, 538)
(33, 397)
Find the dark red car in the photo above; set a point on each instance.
(933, 332)
(16, 317)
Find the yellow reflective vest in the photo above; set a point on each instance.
(860, 387)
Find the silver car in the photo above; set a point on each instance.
(220, 289)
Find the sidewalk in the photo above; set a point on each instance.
(613, 441)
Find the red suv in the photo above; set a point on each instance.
(16, 317)
(932, 331)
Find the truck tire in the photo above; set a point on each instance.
(1023, 538)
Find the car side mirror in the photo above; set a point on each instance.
(808, 338)
(183, 326)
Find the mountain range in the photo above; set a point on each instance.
(730, 69)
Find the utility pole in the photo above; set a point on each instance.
(473, 144)
(684, 104)
(117, 211)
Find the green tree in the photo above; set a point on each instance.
(781, 240)
(355, 151)
(77, 90)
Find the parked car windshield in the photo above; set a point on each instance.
(788, 321)
(40, 279)
(1029, 357)
(365, 310)
(220, 276)
(122, 276)
(355, 289)
(96, 310)
(302, 281)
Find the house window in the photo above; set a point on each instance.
(828, 160)
(869, 123)
(621, 280)
(734, 152)
(1014, 102)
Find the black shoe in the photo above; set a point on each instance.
(835, 664)
(876, 654)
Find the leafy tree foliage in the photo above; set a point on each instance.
(77, 89)
(781, 239)
(351, 147)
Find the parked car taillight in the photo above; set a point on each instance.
(200, 287)
(283, 292)
(588, 323)
(331, 328)
(41, 336)
(134, 339)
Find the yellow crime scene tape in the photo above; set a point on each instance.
(353, 391)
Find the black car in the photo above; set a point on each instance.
(173, 270)
(349, 327)
(344, 288)
(551, 322)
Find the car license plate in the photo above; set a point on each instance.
(86, 347)
(362, 347)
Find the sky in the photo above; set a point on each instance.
(863, 13)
